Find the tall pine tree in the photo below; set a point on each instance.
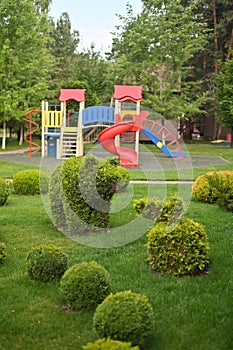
(63, 46)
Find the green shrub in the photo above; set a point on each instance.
(123, 178)
(2, 252)
(30, 182)
(89, 184)
(46, 263)
(158, 210)
(202, 191)
(223, 183)
(182, 251)
(139, 204)
(204, 188)
(4, 191)
(57, 199)
(124, 316)
(109, 344)
(173, 210)
(85, 285)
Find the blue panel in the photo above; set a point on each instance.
(52, 147)
(98, 114)
(57, 135)
(164, 149)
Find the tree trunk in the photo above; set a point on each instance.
(11, 134)
(21, 135)
(4, 135)
(215, 37)
(215, 60)
(219, 131)
(230, 46)
(231, 144)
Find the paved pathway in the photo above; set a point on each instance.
(147, 161)
(161, 182)
(18, 151)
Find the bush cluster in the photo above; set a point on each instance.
(124, 316)
(222, 182)
(2, 252)
(225, 190)
(4, 191)
(109, 344)
(182, 251)
(46, 263)
(85, 285)
(30, 182)
(82, 198)
(158, 210)
(202, 190)
(215, 187)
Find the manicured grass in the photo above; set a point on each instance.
(9, 169)
(12, 145)
(174, 175)
(191, 312)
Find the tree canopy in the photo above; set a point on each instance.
(172, 48)
(24, 58)
(161, 42)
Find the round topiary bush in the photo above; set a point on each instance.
(4, 191)
(30, 182)
(85, 285)
(182, 251)
(206, 187)
(46, 263)
(125, 316)
(2, 252)
(225, 199)
(202, 191)
(109, 344)
(222, 182)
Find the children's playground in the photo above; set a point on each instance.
(117, 128)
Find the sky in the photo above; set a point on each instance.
(94, 19)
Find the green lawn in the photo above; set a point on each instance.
(191, 312)
(9, 169)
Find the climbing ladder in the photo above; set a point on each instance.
(68, 142)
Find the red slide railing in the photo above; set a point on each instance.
(33, 146)
(166, 137)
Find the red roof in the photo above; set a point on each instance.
(67, 95)
(124, 93)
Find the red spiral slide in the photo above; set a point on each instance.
(157, 133)
(31, 131)
(128, 157)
